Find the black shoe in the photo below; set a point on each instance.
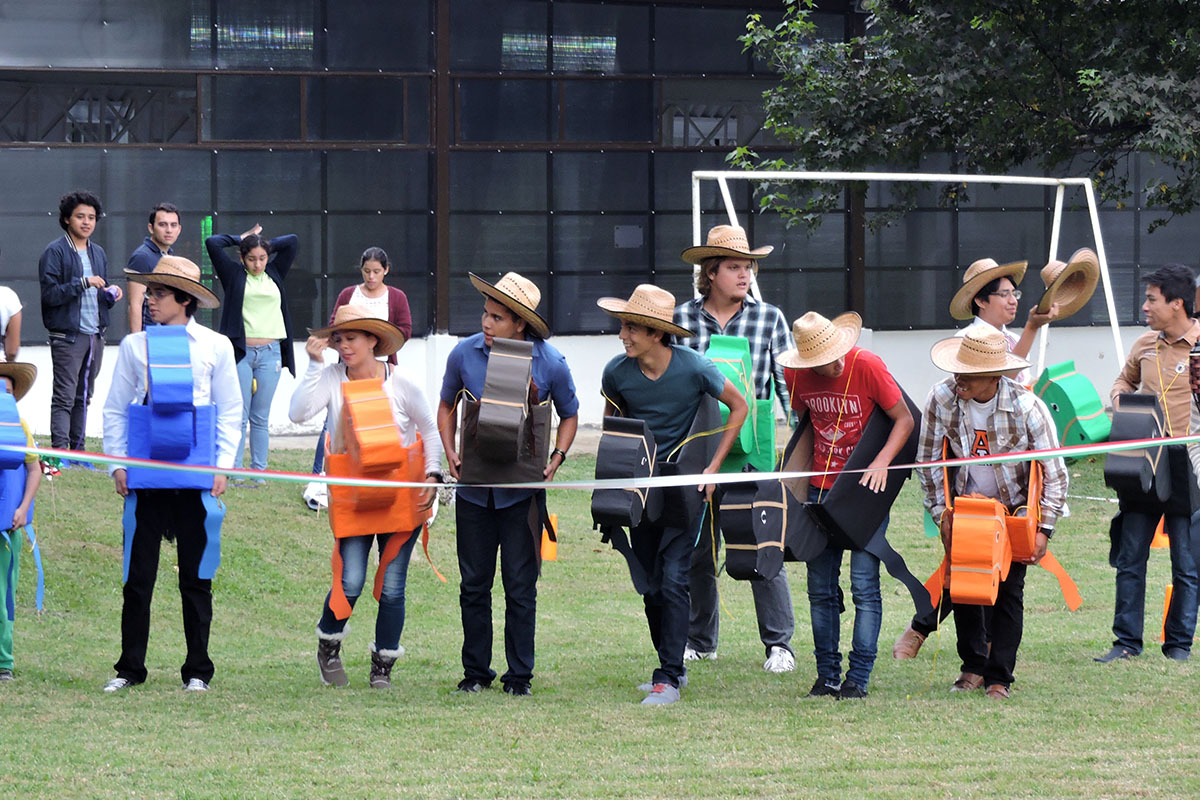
(518, 689)
(1177, 654)
(823, 688)
(851, 691)
(471, 686)
(1117, 652)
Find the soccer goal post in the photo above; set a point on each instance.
(722, 177)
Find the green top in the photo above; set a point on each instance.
(262, 313)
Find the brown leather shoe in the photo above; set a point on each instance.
(909, 644)
(967, 682)
(997, 691)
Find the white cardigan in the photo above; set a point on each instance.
(320, 388)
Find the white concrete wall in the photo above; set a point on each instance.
(905, 352)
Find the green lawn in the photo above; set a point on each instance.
(268, 728)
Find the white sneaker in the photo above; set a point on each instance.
(117, 684)
(195, 685)
(692, 654)
(780, 660)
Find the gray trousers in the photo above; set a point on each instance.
(76, 365)
(772, 599)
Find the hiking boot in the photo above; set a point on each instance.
(661, 694)
(329, 658)
(967, 682)
(780, 660)
(381, 666)
(908, 644)
(824, 688)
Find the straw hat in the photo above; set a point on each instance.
(649, 306)
(728, 241)
(978, 275)
(357, 318)
(976, 353)
(517, 293)
(820, 341)
(1072, 283)
(178, 273)
(22, 375)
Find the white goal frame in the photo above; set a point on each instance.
(722, 177)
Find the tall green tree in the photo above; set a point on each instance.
(1065, 86)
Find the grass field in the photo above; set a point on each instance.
(267, 728)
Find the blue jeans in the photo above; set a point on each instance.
(1129, 557)
(262, 363)
(389, 623)
(825, 609)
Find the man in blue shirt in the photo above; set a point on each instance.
(164, 229)
(663, 385)
(488, 520)
(73, 273)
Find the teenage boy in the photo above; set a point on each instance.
(725, 307)
(980, 411)
(173, 292)
(491, 520)
(663, 385)
(164, 229)
(1158, 365)
(839, 385)
(73, 273)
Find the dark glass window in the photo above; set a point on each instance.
(490, 245)
(601, 38)
(244, 108)
(609, 111)
(136, 180)
(482, 181)
(378, 180)
(255, 182)
(366, 34)
(612, 242)
(488, 36)
(923, 239)
(404, 237)
(1004, 236)
(601, 181)
(898, 299)
(673, 183)
(505, 111)
(356, 109)
(699, 40)
(576, 310)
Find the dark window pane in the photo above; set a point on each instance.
(923, 239)
(795, 248)
(609, 111)
(356, 109)
(672, 235)
(497, 181)
(485, 37)
(366, 34)
(266, 33)
(1174, 243)
(116, 33)
(1119, 229)
(136, 180)
(404, 237)
(581, 314)
(673, 183)
(613, 242)
(601, 38)
(699, 40)
(935, 287)
(256, 182)
(504, 111)
(240, 108)
(1004, 236)
(43, 177)
(601, 181)
(490, 246)
(371, 180)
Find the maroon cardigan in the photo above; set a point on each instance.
(398, 311)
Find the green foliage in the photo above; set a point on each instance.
(1060, 86)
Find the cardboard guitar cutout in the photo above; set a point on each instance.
(1143, 474)
(755, 444)
(626, 450)
(1076, 408)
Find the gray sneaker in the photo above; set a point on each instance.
(648, 686)
(329, 662)
(661, 695)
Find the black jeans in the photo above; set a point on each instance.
(480, 533)
(76, 365)
(171, 514)
(1004, 622)
(666, 556)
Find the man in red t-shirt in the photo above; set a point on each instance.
(839, 385)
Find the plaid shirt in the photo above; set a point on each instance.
(761, 323)
(1021, 422)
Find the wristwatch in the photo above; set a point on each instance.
(440, 477)
(1046, 531)
(562, 453)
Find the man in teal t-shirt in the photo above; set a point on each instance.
(663, 385)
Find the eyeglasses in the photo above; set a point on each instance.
(160, 293)
(1015, 294)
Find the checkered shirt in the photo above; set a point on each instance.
(761, 323)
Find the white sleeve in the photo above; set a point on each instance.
(10, 304)
(417, 409)
(122, 391)
(312, 394)
(227, 396)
